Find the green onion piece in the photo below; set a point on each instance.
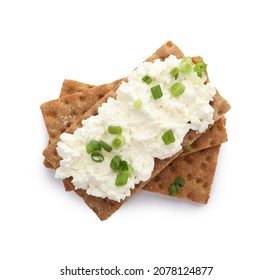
(177, 89)
(129, 170)
(188, 148)
(174, 72)
(179, 181)
(123, 165)
(200, 67)
(115, 163)
(114, 129)
(97, 157)
(186, 68)
(118, 142)
(147, 79)
(168, 137)
(156, 92)
(187, 60)
(121, 179)
(105, 146)
(92, 146)
(138, 104)
(174, 189)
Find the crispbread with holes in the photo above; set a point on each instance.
(71, 87)
(191, 165)
(104, 208)
(61, 113)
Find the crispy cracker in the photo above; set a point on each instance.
(198, 187)
(60, 113)
(71, 87)
(104, 208)
(196, 168)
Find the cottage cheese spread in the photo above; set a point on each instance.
(142, 128)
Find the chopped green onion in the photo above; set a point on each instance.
(174, 189)
(92, 146)
(121, 179)
(174, 72)
(156, 92)
(188, 148)
(129, 170)
(114, 129)
(115, 163)
(138, 104)
(186, 68)
(147, 79)
(105, 146)
(187, 60)
(123, 166)
(97, 157)
(186, 65)
(177, 89)
(200, 67)
(118, 141)
(179, 181)
(168, 137)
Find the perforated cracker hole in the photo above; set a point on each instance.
(203, 166)
(208, 158)
(68, 124)
(199, 180)
(194, 145)
(188, 159)
(74, 115)
(212, 142)
(205, 185)
(189, 176)
(52, 135)
(189, 195)
(64, 101)
(157, 178)
(82, 98)
(172, 167)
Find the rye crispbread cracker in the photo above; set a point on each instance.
(61, 113)
(198, 186)
(105, 207)
(200, 176)
(198, 171)
(219, 104)
(71, 87)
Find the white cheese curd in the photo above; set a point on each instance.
(142, 128)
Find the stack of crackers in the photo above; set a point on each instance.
(196, 165)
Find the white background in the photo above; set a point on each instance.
(43, 228)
